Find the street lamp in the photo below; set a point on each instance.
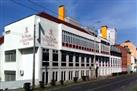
(33, 73)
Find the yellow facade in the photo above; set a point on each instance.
(103, 31)
(61, 13)
(131, 47)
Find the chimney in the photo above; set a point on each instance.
(61, 12)
(103, 31)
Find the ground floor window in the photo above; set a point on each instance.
(82, 72)
(10, 75)
(63, 75)
(77, 74)
(70, 75)
(55, 76)
(87, 72)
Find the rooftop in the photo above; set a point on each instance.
(52, 18)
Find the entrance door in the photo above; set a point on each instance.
(46, 78)
(43, 76)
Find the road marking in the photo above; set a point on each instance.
(106, 85)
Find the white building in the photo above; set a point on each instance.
(1, 54)
(133, 64)
(63, 51)
(111, 35)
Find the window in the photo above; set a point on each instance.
(63, 75)
(55, 58)
(70, 75)
(70, 58)
(77, 42)
(10, 56)
(87, 72)
(10, 75)
(82, 72)
(77, 74)
(63, 59)
(82, 61)
(63, 64)
(45, 56)
(55, 55)
(55, 75)
(63, 56)
(70, 64)
(77, 58)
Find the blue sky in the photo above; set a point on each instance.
(120, 14)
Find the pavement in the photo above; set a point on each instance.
(120, 83)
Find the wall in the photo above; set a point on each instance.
(19, 34)
(126, 58)
(132, 48)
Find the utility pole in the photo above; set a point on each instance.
(33, 74)
(94, 57)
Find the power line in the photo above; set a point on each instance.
(23, 5)
(33, 8)
(42, 7)
(50, 10)
(34, 3)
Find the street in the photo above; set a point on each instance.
(115, 84)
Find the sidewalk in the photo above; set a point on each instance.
(69, 84)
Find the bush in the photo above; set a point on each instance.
(84, 78)
(41, 83)
(75, 79)
(53, 82)
(61, 82)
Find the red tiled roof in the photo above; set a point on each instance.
(1, 40)
(52, 18)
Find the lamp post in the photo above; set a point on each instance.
(33, 74)
(94, 61)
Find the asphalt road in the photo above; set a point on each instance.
(116, 84)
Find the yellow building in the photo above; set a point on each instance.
(131, 47)
(133, 52)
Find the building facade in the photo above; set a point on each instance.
(133, 51)
(126, 58)
(1, 54)
(109, 34)
(63, 51)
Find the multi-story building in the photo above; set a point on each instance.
(62, 51)
(126, 57)
(1, 54)
(133, 50)
(109, 34)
